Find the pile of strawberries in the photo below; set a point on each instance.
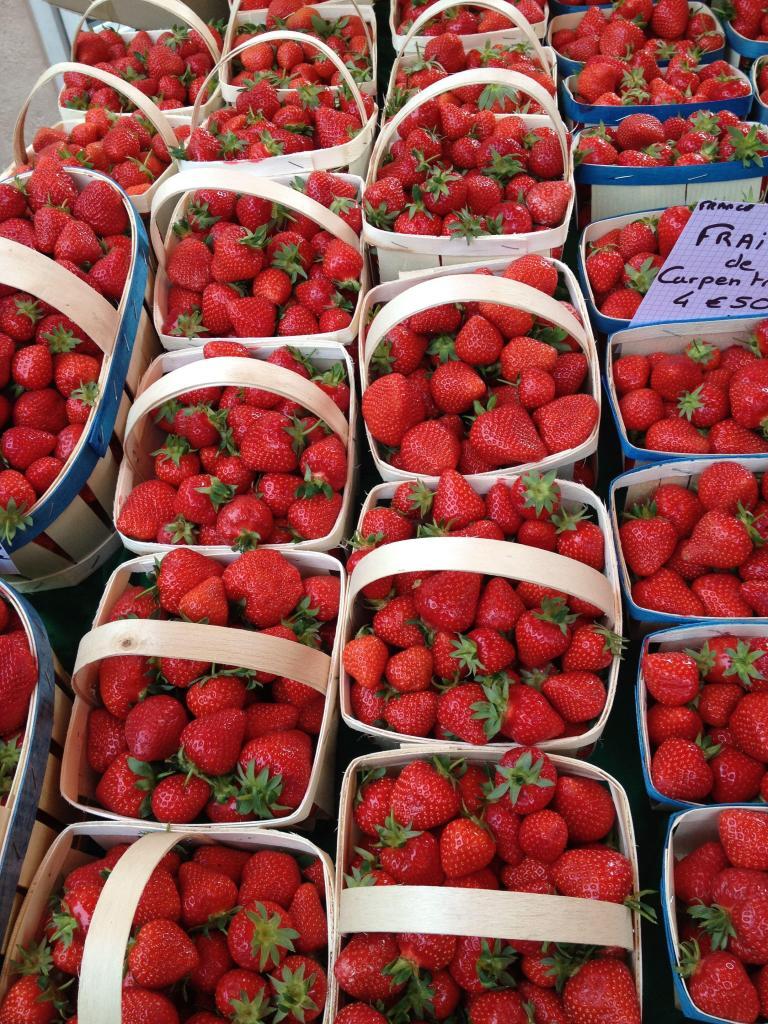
(262, 125)
(459, 656)
(607, 81)
(245, 267)
(177, 740)
(698, 401)
(463, 19)
(721, 889)
(519, 825)
(642, 140)
(621, 264)
(701, 551)
(445, 55)
(169, 70)
(242, 467)
(49, 369)
(18, 678)
(640, 33)
(127, 148)
(480, 386)
(459, 171)
(707, 709)
(289, 64)
(219, 934)
(747, 17)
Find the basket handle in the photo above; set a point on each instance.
(153, 114)
(489, 557)
(234, 180)
(173, 7)
(472, 288)
(235, 10)
(199, 642)
(33, 272)
(226, 371)
(100, 987)
(475, 76)
(489, 913)
(282, 36)
(500, 6)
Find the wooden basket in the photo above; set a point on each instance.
(492, 558)
(352, 156)
(101, 977)
(234, 177)
(174, 373)
(408, 298)
(33, 807)
(179, 12)
(413, 44)
(410, 41)
(397, 252)
(496, 914)
(344, 8)
(197, 641)
(145, 106)
(677, 639)
(71, 533)
(671, 338)
(636, 486)
(686, 831)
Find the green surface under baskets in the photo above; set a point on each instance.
(68, 615)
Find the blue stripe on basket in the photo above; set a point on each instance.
(602, 174)
(38, 731)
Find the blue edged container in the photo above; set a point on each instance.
(570, 17)
(759, 109)
(32, 806)
(591, 113)
(592, 233)
(613, 189)
(678, 639)
(685, 832)
(673, 338)
(743, 52)
(70, 531)
(638, 485)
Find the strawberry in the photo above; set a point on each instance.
(671, 677)
(604, 983)
(359, 968)
(390, 407)
(718, 983)
(647, 539)
(679, 769)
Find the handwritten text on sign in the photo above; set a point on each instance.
(717, 268)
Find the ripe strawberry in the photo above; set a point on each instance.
(602, 991)
(679, 770)
(671, 677)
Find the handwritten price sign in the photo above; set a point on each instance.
(718, 267)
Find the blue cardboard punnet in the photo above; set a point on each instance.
(638, 485)
(591, 113)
